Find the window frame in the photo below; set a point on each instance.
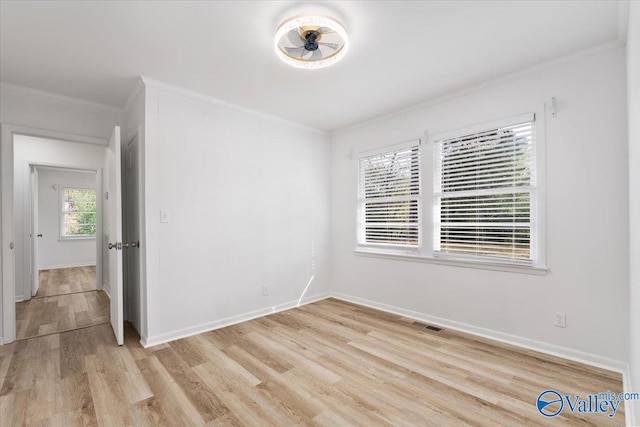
(61, 213)
(360, 222)
(425, 253)
(531, 189)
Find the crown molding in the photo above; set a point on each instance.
(137, 90)
(574, 57)
(623, 21)
(148, 82)
(65, 98)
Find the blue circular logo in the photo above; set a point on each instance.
(549, 403)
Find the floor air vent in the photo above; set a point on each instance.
(425, 326)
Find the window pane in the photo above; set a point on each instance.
(514, 207)
(79, 212)
(389, 192)
(483, 193)
(492, 242)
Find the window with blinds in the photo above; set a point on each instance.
(484, 191)
(389, 197)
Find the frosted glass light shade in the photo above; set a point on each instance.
(311, 41)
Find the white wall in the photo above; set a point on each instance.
(46, 152)
(586, 211)
(248, 204)
(43, 110)
(52, 251)
(633, 99)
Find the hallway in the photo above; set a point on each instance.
(66, 300)
(61, 281)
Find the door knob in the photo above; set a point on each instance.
(40, 235)
(117, 246)
(134, 244)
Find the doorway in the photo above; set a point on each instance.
(131, 233)
(61, 267)
(23, 148)
(63, 231)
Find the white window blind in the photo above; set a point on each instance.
(484, 190)
(389, 197)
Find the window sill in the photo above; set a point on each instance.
(540, 271)
(75, 239)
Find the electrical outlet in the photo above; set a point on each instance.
(561, 319)
(265, 290)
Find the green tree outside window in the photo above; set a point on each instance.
(78, 212)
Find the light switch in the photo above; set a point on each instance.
(164, 216)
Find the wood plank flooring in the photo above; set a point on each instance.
(329, 364)
(47, 315)
(62, 281)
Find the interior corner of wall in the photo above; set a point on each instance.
(105, 288)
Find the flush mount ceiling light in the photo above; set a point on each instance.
(311, 41)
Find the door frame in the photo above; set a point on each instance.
(32, 265)
(7, 133)
(128, 178)
(33, 232)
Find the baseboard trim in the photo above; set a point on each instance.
(19, 298)
(106, 291)
(143, 340)
(546, 348)
(542, 347)
(217, 324)
(629, 413)
(58, 267)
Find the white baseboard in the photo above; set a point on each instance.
(217, 324)
(542, 347)
(144, 340)
(106, 291)
(19, 298)
(629, 415)
(58, 267)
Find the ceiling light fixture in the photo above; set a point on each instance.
(311, 41)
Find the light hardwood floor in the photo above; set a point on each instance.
(62, 281)
(42, 316)
(329, 363)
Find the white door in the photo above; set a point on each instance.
(114, 218)
(35, 281)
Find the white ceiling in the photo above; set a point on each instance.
(402, 53)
